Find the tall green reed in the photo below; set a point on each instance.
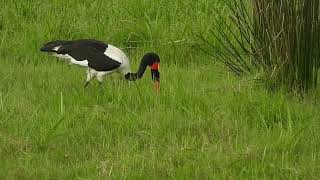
(279, 39)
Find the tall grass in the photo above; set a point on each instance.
(280, 39)
(162, 25)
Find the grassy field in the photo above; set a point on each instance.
(205, 123)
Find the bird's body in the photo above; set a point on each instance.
(100, 58)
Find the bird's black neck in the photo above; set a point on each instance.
(141, 70)
(138, 74)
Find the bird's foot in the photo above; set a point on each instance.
(86, 84)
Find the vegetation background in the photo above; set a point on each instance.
(204, 124)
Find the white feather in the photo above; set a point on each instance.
(81, 63)
(118, 55)
(56, 48)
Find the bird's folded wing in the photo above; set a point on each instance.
(79, 53)
(98, 45)
(101, 62)
(96, 59)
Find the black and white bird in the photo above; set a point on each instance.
(102, 59)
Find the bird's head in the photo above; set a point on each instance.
(153, 61)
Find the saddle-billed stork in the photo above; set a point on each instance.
(102, 59)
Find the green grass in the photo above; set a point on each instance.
(204, 124)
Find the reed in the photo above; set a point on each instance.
(279, 39)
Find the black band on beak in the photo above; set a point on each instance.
(155, 75)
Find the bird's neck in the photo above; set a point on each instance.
(138, 74)
(141, 70)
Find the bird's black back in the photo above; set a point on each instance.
(92, 43)
(92, 51)
(84, 49)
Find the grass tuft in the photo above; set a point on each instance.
(278, 40)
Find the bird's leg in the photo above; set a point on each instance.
(68, 62)
(90, 75)
(86, 84)
(100, 79)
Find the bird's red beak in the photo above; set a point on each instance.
(155, 74)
